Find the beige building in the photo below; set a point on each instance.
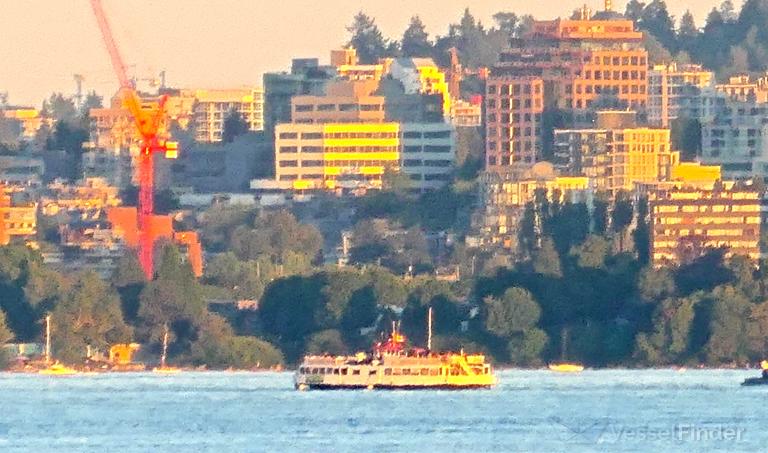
(687, 221)
(743, 88)
(354, 157)
(212, 107)
(344, 102)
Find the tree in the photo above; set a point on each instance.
(526, 349)
(234, 126)
(671, 339)
(326, 342)
(367, 39)
(727, 11)
(89, 314)
(546, 260)
(656, 284)
(291, 310)
(361, 312)
(92, 101)
(174, 299)
(621, 216)
(634, 10)
(218, 347)
(506, 22)
(656, 20)
(592, 253)
(515, 312)
(277, 235)
(727, 340)
(687, 33)
(6, 335)
(415, 41)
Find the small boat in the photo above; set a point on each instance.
(761, 380)
(56, 368)
(563, 366)
(164, 368)
(566, 367)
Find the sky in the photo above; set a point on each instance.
(216, 43)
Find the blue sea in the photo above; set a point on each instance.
(529, 411)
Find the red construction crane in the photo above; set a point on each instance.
(148, 120)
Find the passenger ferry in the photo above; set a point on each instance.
(392, 366)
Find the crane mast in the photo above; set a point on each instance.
(148, 121)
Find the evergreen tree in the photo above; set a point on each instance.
(415, 41)
(234, 126)
(656, 20)
(546, 260)
(367, 39)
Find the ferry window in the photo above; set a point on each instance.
(397, 372)
(387, 371)
(356, 372)
(314, 370)
(454, 372)
(425, 372)
(343, 371)
(434, 372)
(329, 371)
(406, 371)
(371, 372)
(336, 371)
(322, 370)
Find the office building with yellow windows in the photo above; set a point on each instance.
(353, 157)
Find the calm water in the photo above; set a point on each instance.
(528, 411)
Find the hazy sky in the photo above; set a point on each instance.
(215, 43)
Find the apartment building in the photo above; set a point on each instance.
(616, 158)
(742, 88)
(675, 91)
(569, 64)
(736, 140)
(514, 107)
(504, 195)
(213, 106)
(686, 221)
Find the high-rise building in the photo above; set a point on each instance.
(568, 64)
(676, 91)
(514, 106)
